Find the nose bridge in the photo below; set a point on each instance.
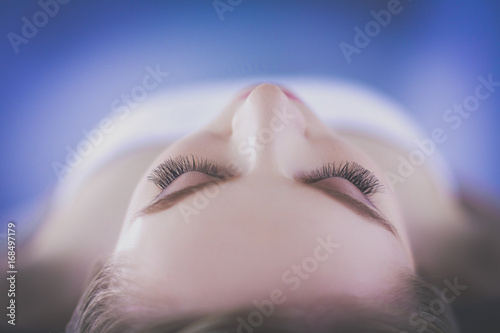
(266, 122)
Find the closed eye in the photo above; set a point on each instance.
(356, 174)
(358, 206)
(186, 180)
(185, 171)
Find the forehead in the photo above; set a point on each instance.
(244, 243)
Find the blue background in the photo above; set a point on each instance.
(64, 79)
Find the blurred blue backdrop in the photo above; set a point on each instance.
(63, 79)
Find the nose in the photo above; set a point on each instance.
(267, 122)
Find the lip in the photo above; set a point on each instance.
(287, 92)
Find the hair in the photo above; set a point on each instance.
(107, 306)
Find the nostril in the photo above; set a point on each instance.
(291, 96)
(268, 86)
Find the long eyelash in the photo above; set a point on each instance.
(360, 177)
(169, 170)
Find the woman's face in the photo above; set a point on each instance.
(238, 212)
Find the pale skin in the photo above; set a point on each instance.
(264, 221)
(255, 230)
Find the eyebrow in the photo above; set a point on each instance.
(171, 199)
(353, 204)
(360, 208)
